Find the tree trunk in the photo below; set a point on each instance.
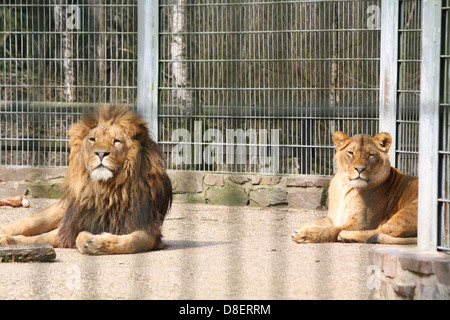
(333, 98)
(26, 253)
(100, 48)
(182, 95)
(67, 51)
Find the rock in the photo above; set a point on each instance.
(31, 173)
(416, 262)
(405, 291)
(270, 180)
(308, 181)
(27, 252)
(12, 188)
(268, 197)
(238, 179)
(187, 181)
(442, 269)
(305, 198)
(256, 180)
(214, 180)
(188, 198)
(230, 196)
(390, 265)
(46, 189)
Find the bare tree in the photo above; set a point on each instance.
(333, 96)
(182, 95)
(67, 50)
(100, 44)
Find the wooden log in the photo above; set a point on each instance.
(27, 253)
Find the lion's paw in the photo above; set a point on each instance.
(310, 234)
(82, 239)
(95, 244)
(6, 240)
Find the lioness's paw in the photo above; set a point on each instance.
(348, 236)
(6, 240)
(308, 235)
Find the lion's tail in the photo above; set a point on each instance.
(381, 238)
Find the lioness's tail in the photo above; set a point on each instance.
(385, 239)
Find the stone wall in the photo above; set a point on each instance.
(407, 273)
(32, 181)
(295, 191)
(309, 192)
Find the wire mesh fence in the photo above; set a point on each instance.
(233, 73)
(56, 59)
(246, 81)
(410, 24)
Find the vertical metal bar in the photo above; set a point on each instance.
(429, 125)
(147, 69)
(388, 72)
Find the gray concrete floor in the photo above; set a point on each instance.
(212, 252)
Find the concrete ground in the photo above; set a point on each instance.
(212, 252)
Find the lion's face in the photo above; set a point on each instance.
(362, 159)
(105, 150)
(107, 145)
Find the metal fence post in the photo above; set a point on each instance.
(147, 69)
(389, 72)
(429, 125)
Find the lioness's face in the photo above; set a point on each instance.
(363, 159)
(106, 149)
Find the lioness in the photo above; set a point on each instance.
(369, 201)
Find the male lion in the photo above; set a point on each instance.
(369, 201)
(116, 191)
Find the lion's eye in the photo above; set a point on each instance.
(92, 139)
(117, 141)
(371, 155)
(350, 153)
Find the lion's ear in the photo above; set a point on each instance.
(77, 132)
(340, 140)
(383, 141)
(134, 128)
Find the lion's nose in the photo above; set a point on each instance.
(360, 169)
(101, 154)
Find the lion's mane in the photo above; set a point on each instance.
(136, 198)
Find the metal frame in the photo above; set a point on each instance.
(309, 74)
(408, 85)
(389, 72)
(444, 149)
(148, 71)
(429, 125)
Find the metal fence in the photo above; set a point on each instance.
(257, 86)
(444, 150)
(408, 92)
(56, 59)
(239, 82)
(265, 76)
